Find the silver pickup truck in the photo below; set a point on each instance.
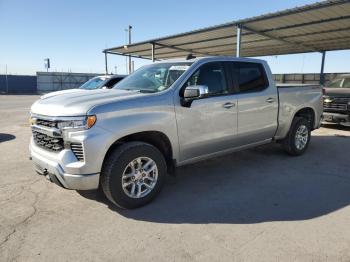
(167, 114)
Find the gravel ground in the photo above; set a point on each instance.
(255, 205)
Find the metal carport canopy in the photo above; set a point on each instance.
(318, 27)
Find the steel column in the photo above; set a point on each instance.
(153, 51)
(322, 68)
(129, 28)
(238, 40)
(106, 65)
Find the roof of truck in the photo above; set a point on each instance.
(233, 58)
(318, 27)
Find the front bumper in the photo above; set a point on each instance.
(65, 169)
(55, 173)
(336, 118)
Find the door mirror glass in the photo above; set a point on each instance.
(195, 92)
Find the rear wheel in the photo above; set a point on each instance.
(298, 137)
(133, 174)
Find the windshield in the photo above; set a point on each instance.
(153, 78)
(93, 83)
(340, 83)
(335, 83)
(346, 83)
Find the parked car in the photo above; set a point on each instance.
(336, 101)
(104, 82)
(98, 82)
(166, 115)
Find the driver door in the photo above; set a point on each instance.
(208, 125)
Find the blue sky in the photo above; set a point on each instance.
(73, 33)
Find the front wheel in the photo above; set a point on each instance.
(298, 137)
(133, 174)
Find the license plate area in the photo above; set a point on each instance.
(328, 118)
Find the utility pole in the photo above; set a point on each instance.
(129, 30)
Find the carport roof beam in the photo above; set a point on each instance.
(307, 47)
(317, 27)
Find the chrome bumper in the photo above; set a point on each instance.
(54, 172)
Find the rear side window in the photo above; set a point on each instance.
(250, 77)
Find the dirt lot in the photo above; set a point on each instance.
(256, 205)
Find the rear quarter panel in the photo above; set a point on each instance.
(294, 98)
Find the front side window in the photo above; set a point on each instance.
(250, 77)
(211, 75)
(153, 78)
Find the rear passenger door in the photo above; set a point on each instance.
(257, 103)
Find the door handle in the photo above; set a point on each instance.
(228, 105)
(270, 100)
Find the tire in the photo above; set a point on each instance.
(291, 144)
(117, 172)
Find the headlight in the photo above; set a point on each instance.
(77, 123)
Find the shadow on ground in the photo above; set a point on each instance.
(258, 185)
(336, 126)
(6, 137)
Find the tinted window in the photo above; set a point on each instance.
(250, 77)
(211, 75)
(113, 81)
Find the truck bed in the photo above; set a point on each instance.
(293, 97)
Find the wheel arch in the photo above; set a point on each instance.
(156, 138)
(309, 114)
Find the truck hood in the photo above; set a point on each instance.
(79, 102)
(337, 92)
(56, 93)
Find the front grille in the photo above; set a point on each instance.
(341, 100)
(78, 150)
(47, 142)
(335, 106)
(46, 123)
(336, 103)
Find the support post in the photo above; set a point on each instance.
(106, 64)
(129, 29)
(153, 52)
(238, 40)
(322, 68)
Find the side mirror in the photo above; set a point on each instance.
(194, 92)
(104, 87)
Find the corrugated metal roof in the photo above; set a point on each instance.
(323, 26)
